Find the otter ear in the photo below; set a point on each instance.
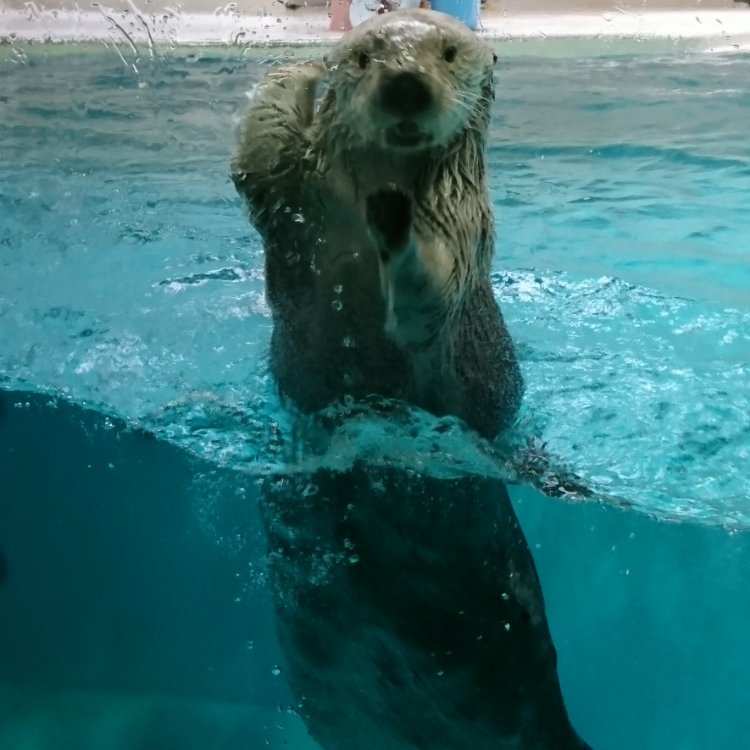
(488, 87)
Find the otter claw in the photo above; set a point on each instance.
(389, 216)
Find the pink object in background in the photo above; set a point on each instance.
(340, 20)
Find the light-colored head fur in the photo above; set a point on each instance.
(454, 65)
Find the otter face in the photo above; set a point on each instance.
(410, 81)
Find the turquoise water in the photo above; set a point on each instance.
(131, 282)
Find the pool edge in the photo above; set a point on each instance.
(659, 31)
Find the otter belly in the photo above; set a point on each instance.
(329, 341)
(410, 613)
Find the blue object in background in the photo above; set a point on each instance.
(464, 10)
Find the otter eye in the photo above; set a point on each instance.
(363, 60)
(494, 58)
(449, 55)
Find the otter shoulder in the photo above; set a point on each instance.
(268, 163)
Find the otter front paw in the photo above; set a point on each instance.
(389, 216)
(312, 71)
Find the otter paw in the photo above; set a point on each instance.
(389, 217)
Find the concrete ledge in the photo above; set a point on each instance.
(717, 30)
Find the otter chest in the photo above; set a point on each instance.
(329, 332)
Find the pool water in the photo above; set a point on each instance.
(131, 282)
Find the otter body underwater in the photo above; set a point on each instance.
(425, 628)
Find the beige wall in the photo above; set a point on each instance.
(718, 25)
(498, 6)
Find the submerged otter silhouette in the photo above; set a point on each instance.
(408, 606)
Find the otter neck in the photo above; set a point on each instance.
(370, 170)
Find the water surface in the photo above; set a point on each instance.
(132, 281)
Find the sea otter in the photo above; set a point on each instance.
(377, 224)
(408, 605)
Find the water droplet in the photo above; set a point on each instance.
(504, 596)
(507, 627)
(441, 673)
(275, 671)
(337, 305)
(338, 288)
(348, 342)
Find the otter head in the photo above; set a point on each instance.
(408, 81)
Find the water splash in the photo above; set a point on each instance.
(642, 394)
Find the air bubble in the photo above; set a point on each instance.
(337, 305)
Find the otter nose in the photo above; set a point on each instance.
(405, 95)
